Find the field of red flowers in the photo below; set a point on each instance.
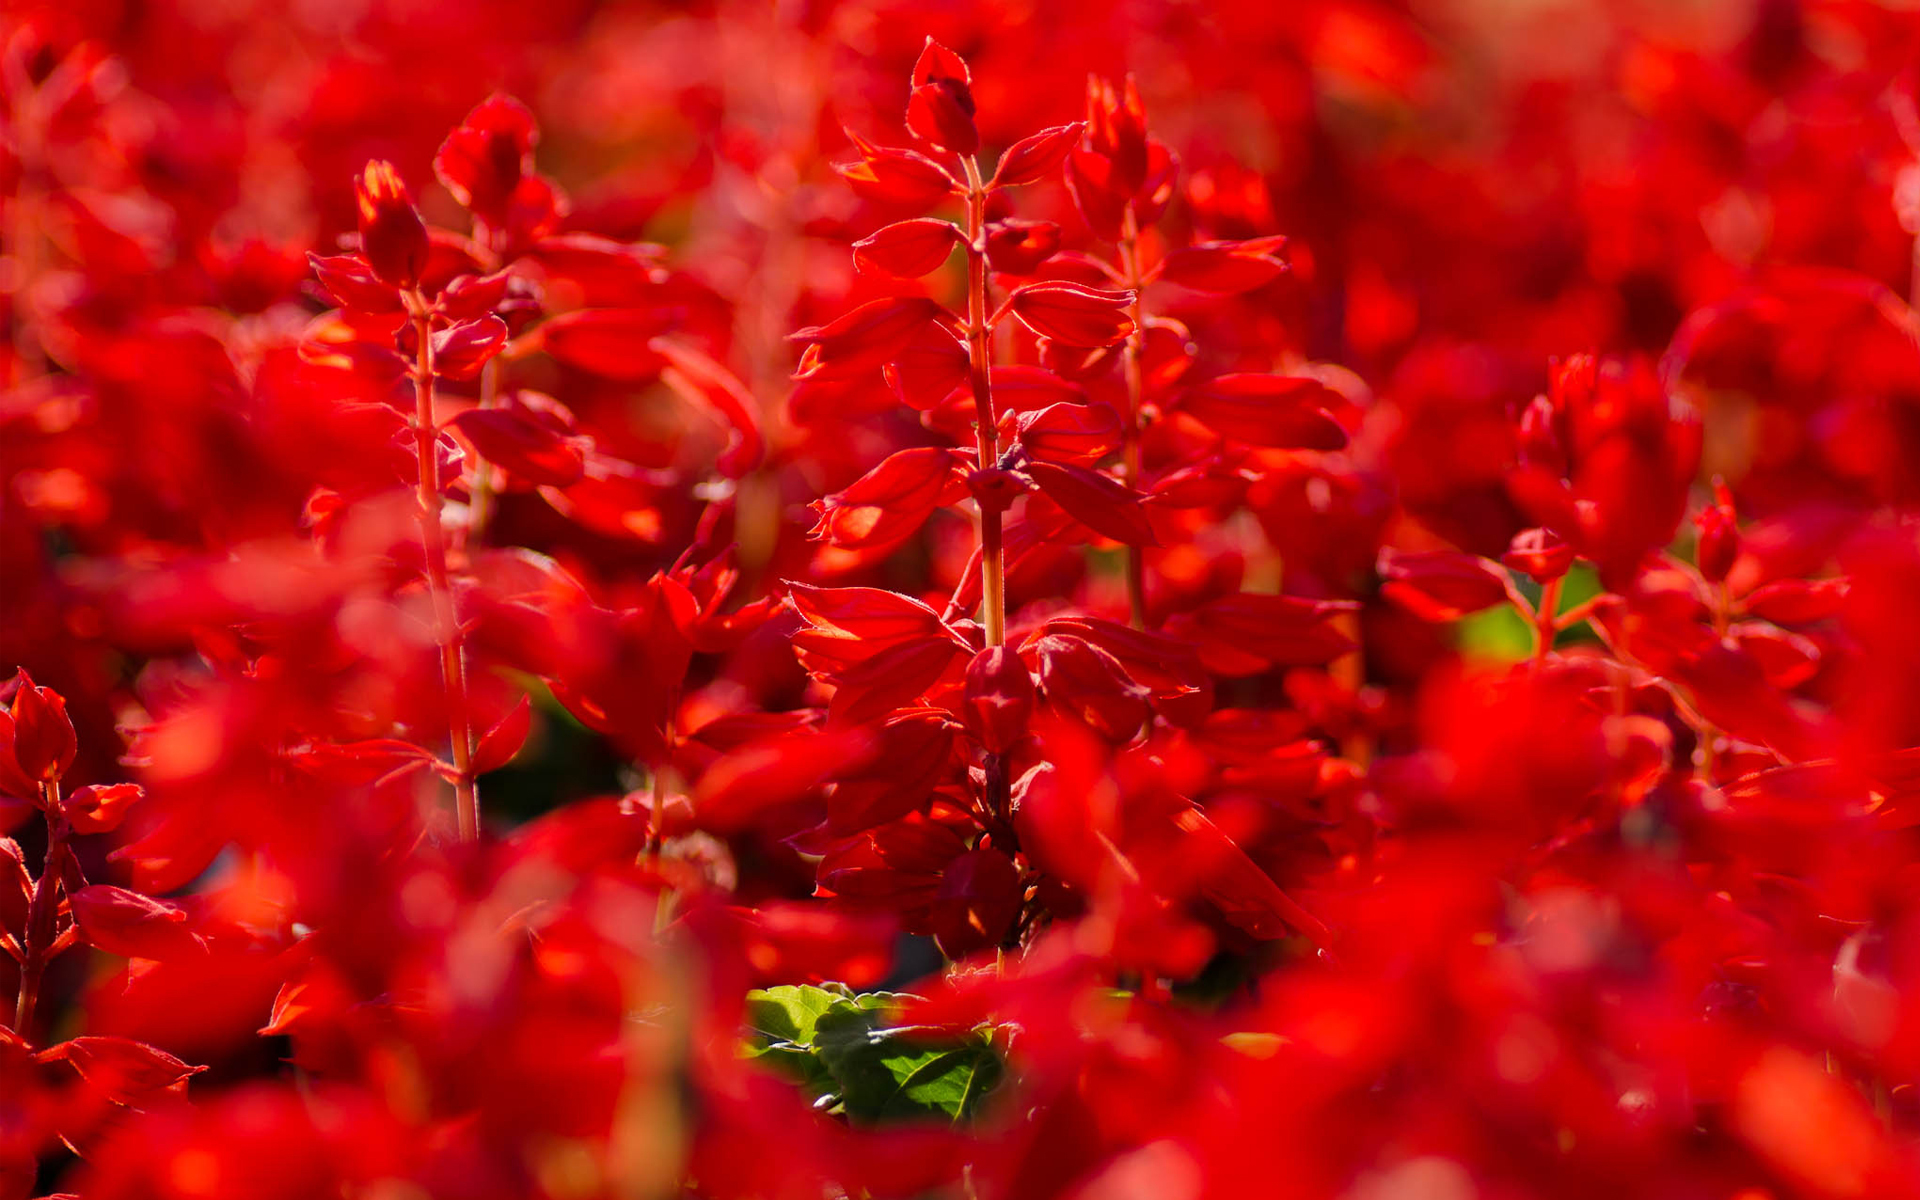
(853, 599)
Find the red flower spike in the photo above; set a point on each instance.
(483, 160)
(999, 699)
(1280, 412)
(43, 739)
(1101, 503)
(1540, 554)
(393, 239)
(1036, 156)
(1074, 314)
(1016, 247)
(907, 249)
(1441, 585)
(940, 108)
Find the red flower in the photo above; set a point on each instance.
(393, 239)
(43, 738)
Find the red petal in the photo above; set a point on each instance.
(499, 744)
(1225, 268)
(696, 377)
(1281, 412)
(878, 331)
(523, 444)
(1036, 156)
(1074, 314)
(124, 1071)
(100, 809)
(1101, 503)
(1441, 585)
(459, 351)
(888, 504)
(133, 925)
(907, 249)
(609, 342)
(1071, 433)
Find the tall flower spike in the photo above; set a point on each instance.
(393, 239)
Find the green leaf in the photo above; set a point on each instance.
(788, 1013)
(953, 1083)
(836, 1044)
(892, 1074)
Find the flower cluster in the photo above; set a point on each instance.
(622, 601)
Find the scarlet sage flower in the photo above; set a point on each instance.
(1073, 314)
(484, 160)
(392, 237)
(43, 737)
(940, 108)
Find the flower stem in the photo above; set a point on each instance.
(1130, 418)
(43, 911)
(993, 587)
(481, 501)
(433, 541)
(1544, 626)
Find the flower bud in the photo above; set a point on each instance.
(1540, 444)
(1719, 536)
(43, 741)
(940, 108)
(1540, 554)
(393, 239)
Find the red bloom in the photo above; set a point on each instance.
(393, 239)
(43, 738)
